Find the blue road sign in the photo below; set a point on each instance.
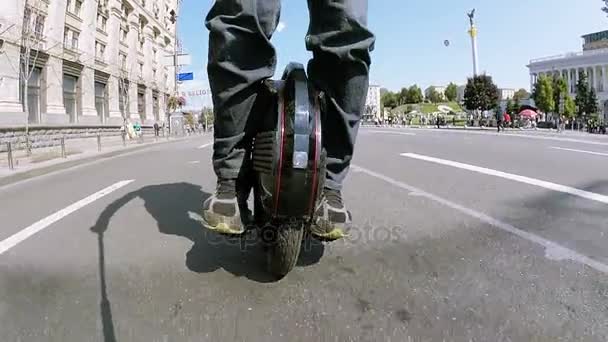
(188, 76)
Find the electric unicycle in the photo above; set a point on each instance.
(289, 167)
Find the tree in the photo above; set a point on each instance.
(582, 95)
(123, 92)
(451, 92)
(402, 96)
(509, 106)
(434, 96)
(543, 94)
(389, 100)
(569, 107)
(31, 39)
(560, 90)
(591, 107)
(521, 94)
(480, 93)
(515, 106)
(414, 95)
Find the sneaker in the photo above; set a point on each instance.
(332, 219)
(221, 211)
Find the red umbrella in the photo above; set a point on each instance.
(528, 113)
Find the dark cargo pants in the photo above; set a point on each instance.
(241, 57)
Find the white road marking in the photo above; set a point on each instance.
(26, 233)
(522, 179)
(205, 145)
(394, 133)
(194, 162)
(580, 151)
(553, 250)
(538, 136)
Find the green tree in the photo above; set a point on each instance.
(480, 93)
(451, 92)
(509, 106)
(414, 95)
(569, 107)
(592, 102)
(515, 107)
(582, 95)
(543, 94)
(402, 96)
(521, 94)
(560, 90)
(434, 96)
(389, 100)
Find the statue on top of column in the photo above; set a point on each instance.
(471, 16)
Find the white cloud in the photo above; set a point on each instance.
(281, 26)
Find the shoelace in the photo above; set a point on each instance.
(334, 198)
(226, 187)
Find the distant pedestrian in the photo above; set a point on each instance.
(156, 129)
(499, 119)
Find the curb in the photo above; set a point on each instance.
(41, 171)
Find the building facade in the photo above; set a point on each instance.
(438, 89)
(90, 62)
(373, 103)
(593, 61)
(506, 93)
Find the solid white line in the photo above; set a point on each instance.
(522, 179)
(580, 151)
(393, 133)
(553, 250)
(538, 136)
(25, 233)
(205, 145)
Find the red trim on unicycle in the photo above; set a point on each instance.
(315, 186)
(277, 186)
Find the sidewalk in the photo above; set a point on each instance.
(77, 151)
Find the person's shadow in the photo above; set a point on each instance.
(175, 207)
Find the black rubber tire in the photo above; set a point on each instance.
(283, 252)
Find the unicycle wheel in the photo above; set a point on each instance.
(283, 249)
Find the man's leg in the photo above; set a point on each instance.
(341, 43)
(240, 58)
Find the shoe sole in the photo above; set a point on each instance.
(223, 228)
(334, 235)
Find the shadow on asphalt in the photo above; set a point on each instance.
(172, 206)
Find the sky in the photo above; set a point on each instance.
(411, 33)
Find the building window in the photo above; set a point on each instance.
(70, 38)
(154, 75)
(75, 36)
(66, 37)
(141, 70)
(123, 35)
(68, 7)
(123, 61)
(141, 104)
(100, 50)
(141, 45)
(100, 99)
(154, 54)
(102, 22)
(77, 7)
(39, 26)
(70, 96)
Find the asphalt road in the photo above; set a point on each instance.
(459, 236)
